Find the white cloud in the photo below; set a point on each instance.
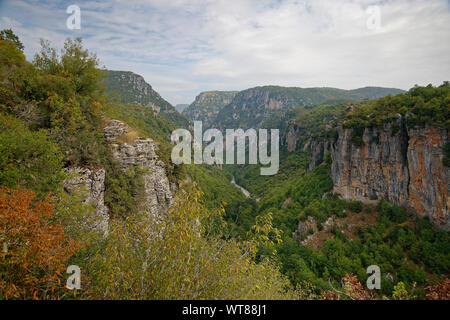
(183, 47)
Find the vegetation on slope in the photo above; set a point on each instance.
(419, 106)
(253, 107)
(131, 88)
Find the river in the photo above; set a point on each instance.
(244, 191)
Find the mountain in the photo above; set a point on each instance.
(180, 107)
(207, 105)
(132, 88)
(252, 107)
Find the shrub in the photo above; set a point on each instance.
(35, 247)
(184, 260)
(446, 159)
(355, 206)
(28, 158)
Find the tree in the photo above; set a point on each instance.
(73, 100)
(28, 158)
(8, 35)
(35, 247)
(400, 292)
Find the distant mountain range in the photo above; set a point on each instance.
(252, 107)
(249, 108)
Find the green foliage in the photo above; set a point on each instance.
(132, 89)
(292, 165)
(8, 35)
(252, 107)
(217, 244)
(28, 158)
(355, 206)
(216, 185)
(125, 189)
(73, 100)
(183, 262)
(148, 125)
(400, 292)
(446, 160)
(419, 106)
(392, 213)
(316, 122)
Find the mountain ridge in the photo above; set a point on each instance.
(133, 89)
(251, 107)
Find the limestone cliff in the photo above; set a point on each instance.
(394, 162)
(402, 165)
(141, 152)
(91, 184)
(429, 186)
(207, 105)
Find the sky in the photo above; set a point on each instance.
(184, 47)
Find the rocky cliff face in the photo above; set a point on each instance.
(401, 165)
(207, 105)
(91, 184)
(429, 185)
(141, 152)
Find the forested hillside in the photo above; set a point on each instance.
(131, 88)
(254, 107)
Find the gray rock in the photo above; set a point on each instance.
(92, 182)
(158, 196)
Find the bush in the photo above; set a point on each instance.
(124, 190)
(185, 261)
(446, 160)
(355, 206)
(28, 158)
(36, 247)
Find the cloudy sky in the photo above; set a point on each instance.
(183, 47)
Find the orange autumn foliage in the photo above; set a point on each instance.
(353, 290)
(33, 247)
(441, 291)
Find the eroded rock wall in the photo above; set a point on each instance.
(90, 184)
(141, 152)
(429, 187)
(399, 164)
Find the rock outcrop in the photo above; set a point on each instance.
(91, 185)
(291, 138)
(319, 150)
(141, 152)
(305, 228)
(399, 164)
(207, 105)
